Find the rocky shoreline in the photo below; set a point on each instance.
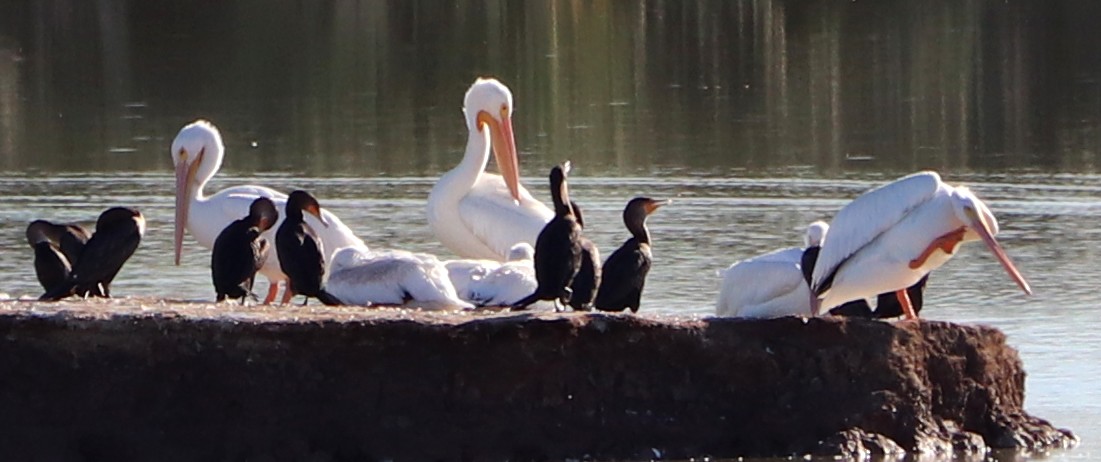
(141, 379)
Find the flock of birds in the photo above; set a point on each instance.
(516, 250)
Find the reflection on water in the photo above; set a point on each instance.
(755, 116)
(619, 86)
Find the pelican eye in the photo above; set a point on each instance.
(504, 111)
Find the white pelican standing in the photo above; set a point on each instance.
(769, 285)
(888, 238)
(391, 277)
(478, 214)
(197, 153)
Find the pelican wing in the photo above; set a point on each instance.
(391, 278)
(754, 282)
(861, 221)
(508, 284)
(490, 214)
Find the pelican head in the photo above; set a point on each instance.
(488, 109)
(981, 224)
(816, 234)
(348, 257)
(196, 153)
(521, 251)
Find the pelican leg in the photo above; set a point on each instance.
(273, 290)
(947, 243)
(907, 307)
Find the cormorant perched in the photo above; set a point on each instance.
(56, 248)
(118, 233)
(587, 280)
(624, 272)
(301, 256)
(558, 248)
(239, 251)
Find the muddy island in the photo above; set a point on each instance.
(142, 379)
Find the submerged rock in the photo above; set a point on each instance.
(144, 380)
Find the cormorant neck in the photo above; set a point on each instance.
(561, 196)
(638, 229)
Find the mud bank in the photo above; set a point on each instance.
(151, 380)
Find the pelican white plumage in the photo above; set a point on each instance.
(197, 154)
(478, 214)
(769, 285)
(492, 279)
(391, 277)
(890, 237)
(463, 273)
(509, 282)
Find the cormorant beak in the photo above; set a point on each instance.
(653, 205)
(315, 210)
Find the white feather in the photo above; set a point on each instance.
(767, 286)
(870, 215)
(470, 211)
(506, 285)
(391, 277)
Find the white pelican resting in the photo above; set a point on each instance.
(508, 283)
(391, 277)
(464, 273)
(769, 285)
(478, 214)
(197, 154)
(468, 273)
(890, 237)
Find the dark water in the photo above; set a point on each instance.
(756, 117)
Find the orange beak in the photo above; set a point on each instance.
(185, 174)
(980, 227)
(656, 204)
(504, 149)
(315, 210)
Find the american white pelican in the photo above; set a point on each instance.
(769, 285)
(890, 237)
(478, 214)
(463, 273)
(470, 273)
(391, 277)
(509, 282)
(197, 153)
